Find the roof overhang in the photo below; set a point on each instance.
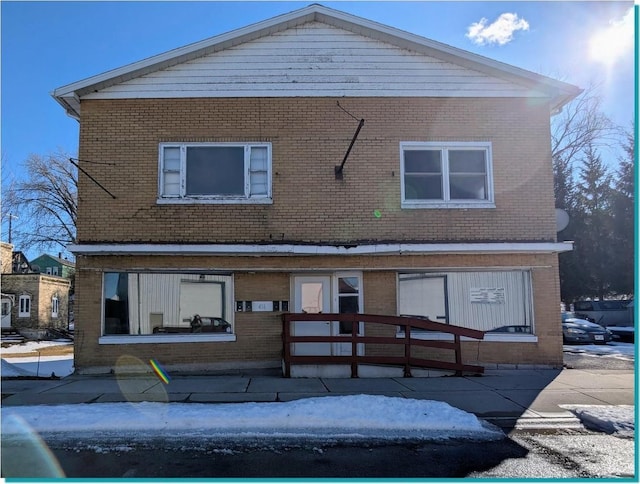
(320, 250)
(559, 92)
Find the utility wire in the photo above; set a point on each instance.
(91, 178)
(93, 162)
(338, 103)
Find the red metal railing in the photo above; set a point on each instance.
(406, 323)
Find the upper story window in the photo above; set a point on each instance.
(446, 175)
(215, 173)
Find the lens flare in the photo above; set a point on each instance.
(162, 374)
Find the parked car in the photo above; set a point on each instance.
(198, 324)
(606, 313)
(576, 330)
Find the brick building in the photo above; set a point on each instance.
(223, 196)
(31, 302)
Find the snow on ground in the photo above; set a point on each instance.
(30, 366)
(44, 366)
(353, 416)
(625, 351)
(613, 419)
(32, 346)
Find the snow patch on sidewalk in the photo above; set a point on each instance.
(353, 416)
(612, 419)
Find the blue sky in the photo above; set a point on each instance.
(46, 45)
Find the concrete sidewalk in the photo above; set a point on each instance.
(502, 396)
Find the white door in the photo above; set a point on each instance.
(6, 313)
(312, 294)
(420, 295)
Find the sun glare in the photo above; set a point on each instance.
(615, 41)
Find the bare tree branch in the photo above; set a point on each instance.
(45, 202)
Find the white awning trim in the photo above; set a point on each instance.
(319, 250)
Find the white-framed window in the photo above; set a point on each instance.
(54, 270)
(499, 302)
(215, 173)
(49, 271)
(24, 306)
(55, 306)
(446, 175)
(156, 307)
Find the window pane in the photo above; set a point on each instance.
(171, 159)
(116, 303)
(348, 285)
(171, 184)
(348, 305)
(215, 170)
(467, 161)
(468, 187)
(259, 183)
(424, 161)
(258, 158)
(423, 187)
(311, 297)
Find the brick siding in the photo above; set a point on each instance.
(309, 137)
(269, 278)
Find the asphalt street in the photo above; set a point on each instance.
(561, 453)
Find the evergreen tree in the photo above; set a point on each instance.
(595, 246)
(623, 220)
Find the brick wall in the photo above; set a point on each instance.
(269, 278)
(6, 257)
(309, 137)
(41, 289)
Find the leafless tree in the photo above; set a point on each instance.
(45, 202)
(582, 125)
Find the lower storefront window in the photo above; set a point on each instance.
(498, 302)
(136, 303)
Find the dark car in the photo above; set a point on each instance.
(576, 330)
(198, 324)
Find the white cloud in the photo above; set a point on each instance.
(499, 32)
(613, 42)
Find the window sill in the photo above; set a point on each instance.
(491, 337)
(162, 338)
(214, 201)
(453, 205)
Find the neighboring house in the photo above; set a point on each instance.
(223, 198)
(54, 266)
(31, 302)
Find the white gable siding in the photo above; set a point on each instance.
(314, 60)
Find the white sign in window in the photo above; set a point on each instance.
(487, 295)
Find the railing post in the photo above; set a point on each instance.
(286, 346)
(354, 350)
(458, 352)
(407, 350)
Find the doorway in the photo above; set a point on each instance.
(335, 293)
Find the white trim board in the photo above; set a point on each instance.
(319, 250)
